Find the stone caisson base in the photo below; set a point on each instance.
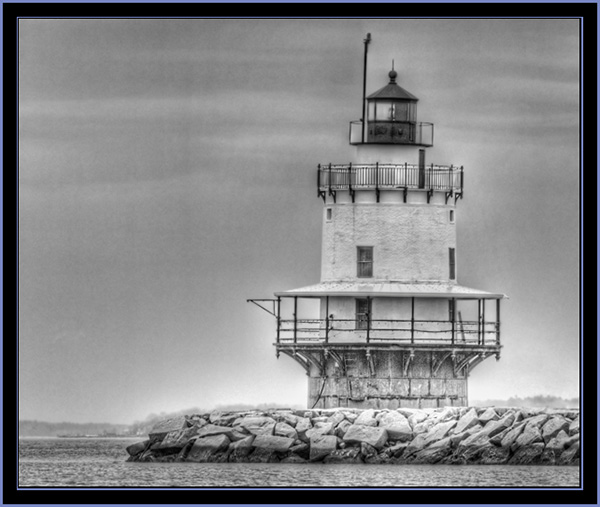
(388, 379)
(449, 435)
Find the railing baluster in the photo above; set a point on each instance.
(412, 320)
(278, 317)
(498, 321)
(295, 319)
(483, 323)
(326, 319)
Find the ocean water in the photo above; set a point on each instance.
(101, 462)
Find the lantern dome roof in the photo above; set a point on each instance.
(392, 91)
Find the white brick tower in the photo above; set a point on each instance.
(389, 325)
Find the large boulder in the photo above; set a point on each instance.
(530, 435)
(302, 450)
(459, 437)
(467, 421)
(289, 418)
(528, 454)
(204, 448)
(274, 443)
(554, 426)
(357, 433)
(574, 426)
(398, 449)
(537, 420)
(160, 429)
(415, 445)
(233, 433)
(472, 454)
(350, 415)
(407, 412)
(222, 419)
(283, 429)
(321, 446)
(366, 418)
(509, 435)
(336, 418)
(488, 415)
(137, 448)
(435, 452)
(258, 425)
(396, 425)
(174, 441)
(572, 455)
(560, 442)
(302, 426)
(241, 449)
(319, 428)
(416, 417)
(494, 427)
(444, 414)
(342, 428)
(439, 431)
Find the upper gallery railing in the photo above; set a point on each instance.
(419, 134)
(390, 177)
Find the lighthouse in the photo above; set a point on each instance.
(388, 325)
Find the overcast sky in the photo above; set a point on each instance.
(168, 173)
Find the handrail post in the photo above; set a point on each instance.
(326, 319)
(412, 320)
(377, 180)
(479, 322)
(498, 321)
(295, 319)
(319, 179)
(453, 318)
(278, 318)
(350, 189)
(483, 323)
(368, 318)
(329, 178)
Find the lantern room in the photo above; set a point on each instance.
(392, 119)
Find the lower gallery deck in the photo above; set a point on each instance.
(381, 350)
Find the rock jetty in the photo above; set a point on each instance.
(450, 435)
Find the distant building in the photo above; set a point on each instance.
(388, 325)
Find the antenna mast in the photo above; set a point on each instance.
(364, 97)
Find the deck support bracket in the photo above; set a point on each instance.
(299, 359)
(460, 367)
(437, 361)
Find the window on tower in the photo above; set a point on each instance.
(452, 260)
(365, 261)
